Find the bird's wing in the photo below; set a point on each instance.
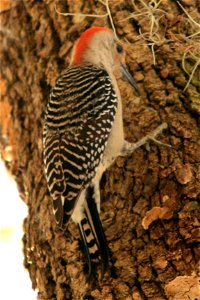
(79, 118)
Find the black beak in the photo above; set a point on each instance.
(130, 79)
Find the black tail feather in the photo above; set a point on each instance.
(92, 235)
(101, 239)
(85, 249)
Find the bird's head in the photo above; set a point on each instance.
(99, 46)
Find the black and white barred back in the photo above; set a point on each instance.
(78, 120)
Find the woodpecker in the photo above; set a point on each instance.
(83, 134)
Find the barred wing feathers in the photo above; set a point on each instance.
(78, 120)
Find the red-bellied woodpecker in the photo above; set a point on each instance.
(83, 134)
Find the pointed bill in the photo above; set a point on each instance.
(129, 78)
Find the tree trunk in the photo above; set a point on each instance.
(150, 199)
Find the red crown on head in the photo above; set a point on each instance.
(83, 42)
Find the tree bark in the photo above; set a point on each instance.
(149, 200)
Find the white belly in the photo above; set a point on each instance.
(114, 144)
(116, 137)
(115, 140)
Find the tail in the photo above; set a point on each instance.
(92, 234)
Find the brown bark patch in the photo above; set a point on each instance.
(183, 287)
(157, 185)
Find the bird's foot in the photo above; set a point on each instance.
(128, 148)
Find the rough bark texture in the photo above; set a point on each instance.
(150, 199)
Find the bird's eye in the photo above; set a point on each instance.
(119, 48)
